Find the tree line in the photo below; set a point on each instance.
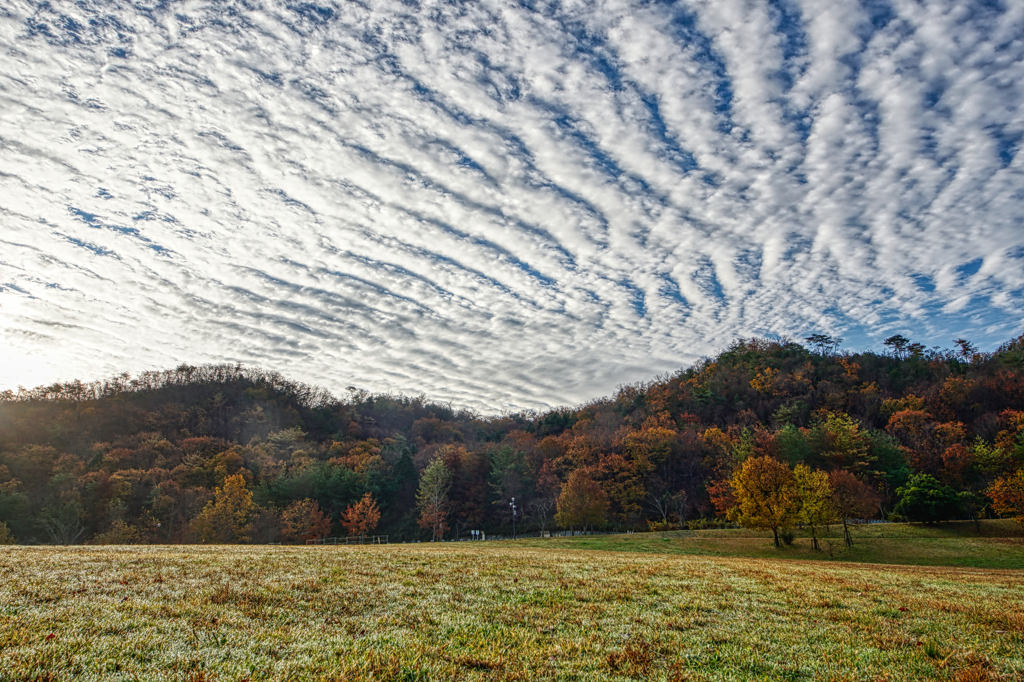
(768, 433)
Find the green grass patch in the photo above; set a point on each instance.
(991, 544)
(496, 611)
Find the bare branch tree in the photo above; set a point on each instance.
(542, 508)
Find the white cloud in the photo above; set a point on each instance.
(502, 206)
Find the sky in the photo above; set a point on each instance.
(504, 205)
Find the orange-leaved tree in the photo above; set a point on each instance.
(302, 520)
(1007, 495)
(362, 517)
(582, 502)
(766, 495)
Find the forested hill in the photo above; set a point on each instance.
(228, 453)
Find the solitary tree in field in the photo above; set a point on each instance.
(432, 498)
(851, 499)
(303, 520)
(815, 500)
(226, 518)
(766, 495)
(1008, 496)
(362, 517)
(582, 502)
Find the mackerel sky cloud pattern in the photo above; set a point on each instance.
(505, 205)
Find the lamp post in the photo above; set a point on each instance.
(513, 505)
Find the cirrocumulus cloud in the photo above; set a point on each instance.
(505, 205)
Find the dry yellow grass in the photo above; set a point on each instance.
(494, 612)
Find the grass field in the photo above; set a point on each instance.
(497, 611)
(996, 544)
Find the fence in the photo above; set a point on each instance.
(492, 537)
(351, 540)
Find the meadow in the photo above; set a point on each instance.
(991, 543)
(495, 611)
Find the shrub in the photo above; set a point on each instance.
(660, 526)
(120, 533)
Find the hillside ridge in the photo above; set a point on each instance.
(136, 459)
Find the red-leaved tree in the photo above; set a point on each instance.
(851, 499)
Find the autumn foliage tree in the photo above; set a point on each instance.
(851, 499)
(147, 458)
(362, 517)
(303, 520)
(766, 495)
(1008, 496)
(722, 495)
(582, 502)
(815, 508)
(225, 520)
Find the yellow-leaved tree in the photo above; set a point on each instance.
(815, 508)
(226, 519)
(766, 495)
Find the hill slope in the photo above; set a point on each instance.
(139, 459)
